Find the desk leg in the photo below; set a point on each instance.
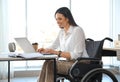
(8, 71)
(54, 70)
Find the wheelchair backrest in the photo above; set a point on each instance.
(94, 48)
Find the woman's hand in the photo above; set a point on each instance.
(47, 51)
(41, 50)
(50, 51)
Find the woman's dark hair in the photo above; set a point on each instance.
(67, 13)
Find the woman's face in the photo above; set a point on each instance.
(62, 21)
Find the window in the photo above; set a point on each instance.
(91, 16)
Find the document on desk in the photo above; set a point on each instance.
(31, 55)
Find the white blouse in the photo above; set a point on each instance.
(73, 42)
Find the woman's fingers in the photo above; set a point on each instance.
(41, 50)
(46, 51)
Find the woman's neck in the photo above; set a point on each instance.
(66, 28)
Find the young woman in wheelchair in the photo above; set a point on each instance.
(69, 45)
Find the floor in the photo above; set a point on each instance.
(34, 79)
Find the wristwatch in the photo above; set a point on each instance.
(59, 55)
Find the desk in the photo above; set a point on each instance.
(110, 51)
(4, 57)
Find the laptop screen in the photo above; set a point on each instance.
(25, 44)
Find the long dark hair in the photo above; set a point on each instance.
(67, 13)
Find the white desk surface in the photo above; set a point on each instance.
(5, 57)
(113, 49)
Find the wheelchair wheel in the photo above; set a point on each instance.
(96, 71)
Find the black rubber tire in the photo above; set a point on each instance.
(98, 71)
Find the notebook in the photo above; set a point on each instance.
(25, 44)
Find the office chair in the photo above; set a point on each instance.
(80, 68)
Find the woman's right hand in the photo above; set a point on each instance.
(41, 50)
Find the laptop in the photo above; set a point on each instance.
(28, 49)
(25, 44)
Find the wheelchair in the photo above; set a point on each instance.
(92, 69)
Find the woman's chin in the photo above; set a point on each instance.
(61, 27)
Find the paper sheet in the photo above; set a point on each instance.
(26, 55)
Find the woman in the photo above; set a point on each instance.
(70, 42)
